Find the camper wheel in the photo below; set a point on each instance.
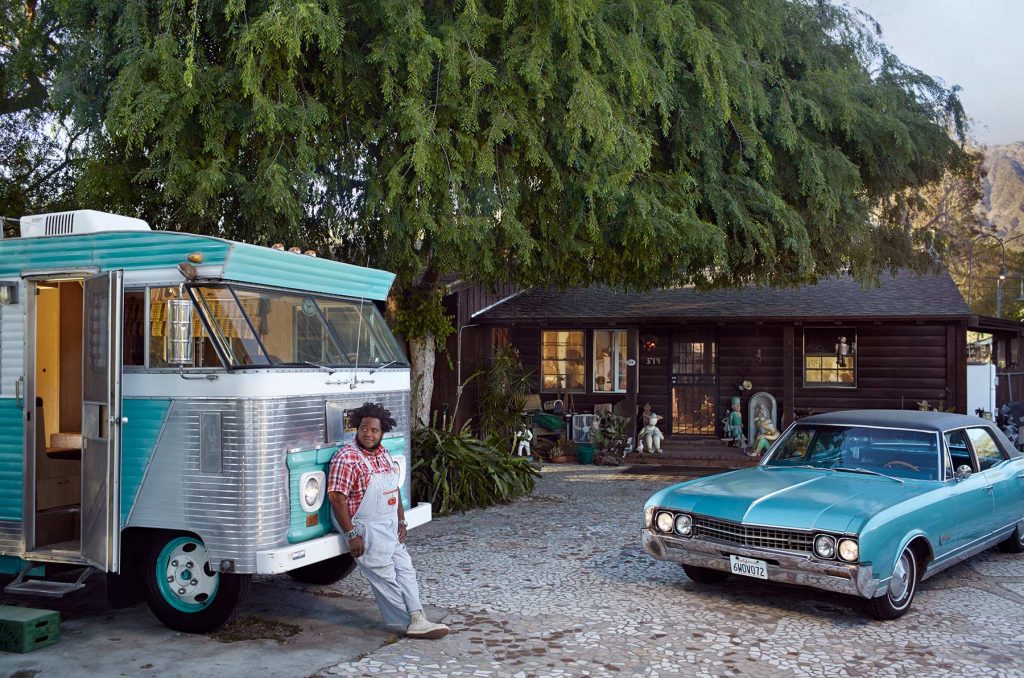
(326, 571)
(183, 591)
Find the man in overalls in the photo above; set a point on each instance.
(366, 504)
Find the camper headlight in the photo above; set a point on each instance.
(311, 490)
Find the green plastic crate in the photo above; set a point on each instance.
(23, 629)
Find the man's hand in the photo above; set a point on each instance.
(356, 546)
(401, 533)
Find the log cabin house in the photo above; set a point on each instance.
(829, 346)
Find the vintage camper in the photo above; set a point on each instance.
(168, 406)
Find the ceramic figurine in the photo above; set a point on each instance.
(732, 423)
(523, 437)
(768, 435)
(650, 436)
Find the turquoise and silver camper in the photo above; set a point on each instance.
(168, 406)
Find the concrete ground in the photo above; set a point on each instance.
(557, 585)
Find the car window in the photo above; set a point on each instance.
(959, 451)
(895, 452)
(985, 448)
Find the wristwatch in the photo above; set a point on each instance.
(403, 523)
(349, 536)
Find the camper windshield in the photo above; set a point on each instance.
(265, 327)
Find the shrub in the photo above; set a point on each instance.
(503, 389)
(610, 438)
(456, 471)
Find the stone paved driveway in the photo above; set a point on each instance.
(557, 585)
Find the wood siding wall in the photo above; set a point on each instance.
(897, 366)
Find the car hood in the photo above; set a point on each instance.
(813, 499)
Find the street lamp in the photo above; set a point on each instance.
(1002, 269)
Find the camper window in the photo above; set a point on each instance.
(290, 328)
(365, 337)
(204, 353)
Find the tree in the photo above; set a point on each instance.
(37, 152)
(637, 144)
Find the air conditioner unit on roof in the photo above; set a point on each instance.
(78, 222)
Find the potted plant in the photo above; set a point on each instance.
(562, 452)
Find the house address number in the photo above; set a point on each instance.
(652, 361)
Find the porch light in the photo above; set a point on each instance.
(1002, 272)
(8, 293)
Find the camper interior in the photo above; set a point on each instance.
(58, 415)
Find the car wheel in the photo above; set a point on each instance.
(703, 575)
(1014, 543)
(326, 571)
(901, 589)
(184, 591)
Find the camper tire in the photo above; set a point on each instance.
(183, 590)
(326, 571)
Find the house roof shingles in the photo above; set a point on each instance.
(903, 295)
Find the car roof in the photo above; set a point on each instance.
(915, 419)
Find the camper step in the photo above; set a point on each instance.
(41, 587)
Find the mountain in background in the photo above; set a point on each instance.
(1004, 189)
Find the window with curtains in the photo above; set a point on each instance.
(609, 361)
(562, 361)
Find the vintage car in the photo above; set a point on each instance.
(864, 502)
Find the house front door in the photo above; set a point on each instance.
(694, 381)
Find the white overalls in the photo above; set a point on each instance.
(385, 563)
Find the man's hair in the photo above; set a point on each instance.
(374, 411)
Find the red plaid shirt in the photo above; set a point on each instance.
(348, 474)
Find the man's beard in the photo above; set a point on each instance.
(359, 444)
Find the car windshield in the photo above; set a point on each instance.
(893, 452)
(258, 327)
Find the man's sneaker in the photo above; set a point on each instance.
(421, 627)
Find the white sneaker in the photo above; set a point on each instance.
(421, 627)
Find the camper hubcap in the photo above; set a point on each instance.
(186, 578)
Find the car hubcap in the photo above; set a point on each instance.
(186, 579)
(900, 582)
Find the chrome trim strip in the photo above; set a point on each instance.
(966, 551)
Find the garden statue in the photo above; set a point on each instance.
(769, 434)
(760, 406)
(732, 424)
(523, 437)
(842, 350)
(650, 436)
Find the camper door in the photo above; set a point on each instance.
(101, 420)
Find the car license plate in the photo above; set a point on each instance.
(749, 567)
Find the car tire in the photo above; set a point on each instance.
(704, 575)
(1014, 543)
(326, 571)
(900, 592)
(183, 590)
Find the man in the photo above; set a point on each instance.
(366, 504)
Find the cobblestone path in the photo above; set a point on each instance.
(557, 585)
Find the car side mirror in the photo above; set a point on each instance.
(963, 472)
(179, 332)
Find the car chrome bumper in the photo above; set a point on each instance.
(853, 579)
(294, 556)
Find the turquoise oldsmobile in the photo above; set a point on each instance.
(866, 503)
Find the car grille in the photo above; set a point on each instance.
(753, 536)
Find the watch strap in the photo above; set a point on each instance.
(349, 536)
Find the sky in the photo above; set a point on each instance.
(977, 44)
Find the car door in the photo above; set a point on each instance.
(1001, 474)
(972, 496)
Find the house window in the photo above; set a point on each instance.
(830, 357)
(561, 364)
(610, 361)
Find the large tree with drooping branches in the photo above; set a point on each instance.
(637, 144)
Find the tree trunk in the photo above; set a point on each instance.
(422, 355)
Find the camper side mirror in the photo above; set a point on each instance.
(179, 332)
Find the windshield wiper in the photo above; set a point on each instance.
(381, 367)
(846, 469)
(329, 370)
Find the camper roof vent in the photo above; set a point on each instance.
(78, 222)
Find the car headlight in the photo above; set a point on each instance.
(649, 516)
(849, 550)
(664, 521)
(684, 524)
(311, 489)
(825, 546)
